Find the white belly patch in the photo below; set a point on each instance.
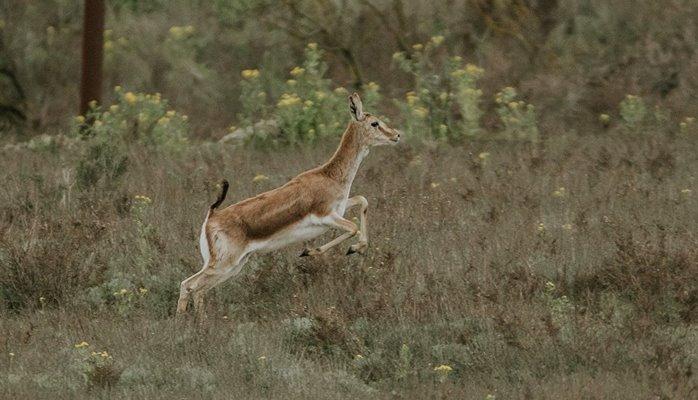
(308, 228)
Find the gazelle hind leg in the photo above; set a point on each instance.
(185, 290)
(214, 277)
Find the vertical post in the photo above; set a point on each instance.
(92, 54)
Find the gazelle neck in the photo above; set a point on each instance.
(345, 162)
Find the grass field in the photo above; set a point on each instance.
(496, 270)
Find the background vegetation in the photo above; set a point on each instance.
(533, 238)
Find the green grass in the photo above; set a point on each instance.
(600, 301)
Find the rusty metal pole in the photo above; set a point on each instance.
(92, 54)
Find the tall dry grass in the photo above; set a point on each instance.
(564, 269)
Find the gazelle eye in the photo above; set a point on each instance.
(374, 124)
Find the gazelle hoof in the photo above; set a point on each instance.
(305, 253)
(357, 248)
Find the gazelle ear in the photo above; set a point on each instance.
(356, 107)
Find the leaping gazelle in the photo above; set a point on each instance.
(302, 209)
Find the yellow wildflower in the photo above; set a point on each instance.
(170, 113)
(443, 96)
(130, 98)
(341, 90)
(443, 368)
(80, 119)
(372, 86)
(108, 45)
(358, 357)
(288, 100)
(308, 103)
(411, 98)
(297, 71)
(11, 354)
(437, 40)
(259, 178)
(686, 191)
(98, 123)
(81, 345)
(513, 105)
(417, 46)
(291, 82)
(188, 29)
(421, 112)
(143, 199)
(560, 192)
(117, 88)
(114, 108)
(540, 227)
(483, 156)
(312, 46)
(567, 227)
(604, 118)
(474, 70)
(143, 290)
(434, 185)
(176, 32)
(250, 73)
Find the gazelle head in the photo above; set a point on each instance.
(374, 132)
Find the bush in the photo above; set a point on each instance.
(441, 86)
(136, 119)
(519, 118)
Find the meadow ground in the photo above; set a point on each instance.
(496, 270)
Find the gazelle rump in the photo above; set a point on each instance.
(302, 209)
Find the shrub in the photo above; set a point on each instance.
(97, 368)
(441, 85)
(136, 118)
(519, 118)
(633, 113)
(308, 109)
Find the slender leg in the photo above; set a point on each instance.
(339, 222)
(362, 245)
(213, 278)
(186, 288)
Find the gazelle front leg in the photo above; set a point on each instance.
(336, 221)
(362, 245)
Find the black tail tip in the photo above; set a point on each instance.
(221, 197)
